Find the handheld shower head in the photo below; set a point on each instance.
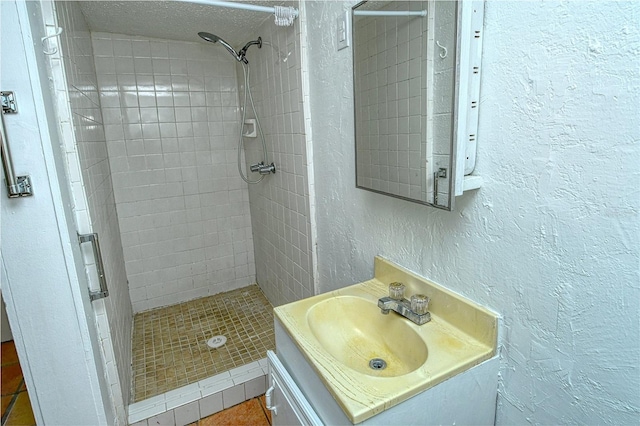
(212, 38)
(209, 37)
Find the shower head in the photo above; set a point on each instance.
(209, 37)
(240, 56)
(212, 38)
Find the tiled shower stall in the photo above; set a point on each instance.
(171, 116)
(151, 129)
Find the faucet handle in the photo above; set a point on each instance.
(396, 291)
(419, 304)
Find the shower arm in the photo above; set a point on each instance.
(243, 51)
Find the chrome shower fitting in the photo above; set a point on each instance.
(240, 55)
(266, 170)
(212, 38)
(243, 51)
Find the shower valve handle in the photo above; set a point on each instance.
(267, 170)
(256, 167)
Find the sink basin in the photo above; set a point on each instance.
(353, 331)
(340, 332)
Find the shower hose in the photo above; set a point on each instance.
(246, 70)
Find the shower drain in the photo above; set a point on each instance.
(377, 364)
(216, 341)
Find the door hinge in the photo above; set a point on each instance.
(9, 105)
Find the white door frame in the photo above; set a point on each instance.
(43, 280)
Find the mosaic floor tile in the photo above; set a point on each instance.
(170, 344)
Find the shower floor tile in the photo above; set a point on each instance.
(170, 344)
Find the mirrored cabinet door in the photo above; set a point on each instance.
(404, 60)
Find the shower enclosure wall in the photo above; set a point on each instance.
(171, 119)
(280, 205)
(151, 131)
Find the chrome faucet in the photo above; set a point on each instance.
(414, 310)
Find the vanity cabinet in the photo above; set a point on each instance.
(286, 402)
(299, 397)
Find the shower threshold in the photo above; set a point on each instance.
(193, 402)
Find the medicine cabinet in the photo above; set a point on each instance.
(416, 96)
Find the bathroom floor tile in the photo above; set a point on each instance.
(6, 400)
(21, 413)
(249, 413)
(16, 407)
(170, 344)
(263, 404)
(8, 353)
(11, 379)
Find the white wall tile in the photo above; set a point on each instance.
(165, 419)
(210, 405)
(277, 90)
(187, 413)
(233, 396)
(255, 387)
(159, 112)
(182, 396)
(244, 369)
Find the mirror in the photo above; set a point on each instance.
(404, 61)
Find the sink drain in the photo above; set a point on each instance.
(377, 364)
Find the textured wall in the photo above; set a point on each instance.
(280, 203)
(551, 241)
(171, 120)
(93, 194)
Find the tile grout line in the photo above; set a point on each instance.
(264, 410)
(14, 397)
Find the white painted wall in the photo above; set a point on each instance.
(43, 280)
(551, 241)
